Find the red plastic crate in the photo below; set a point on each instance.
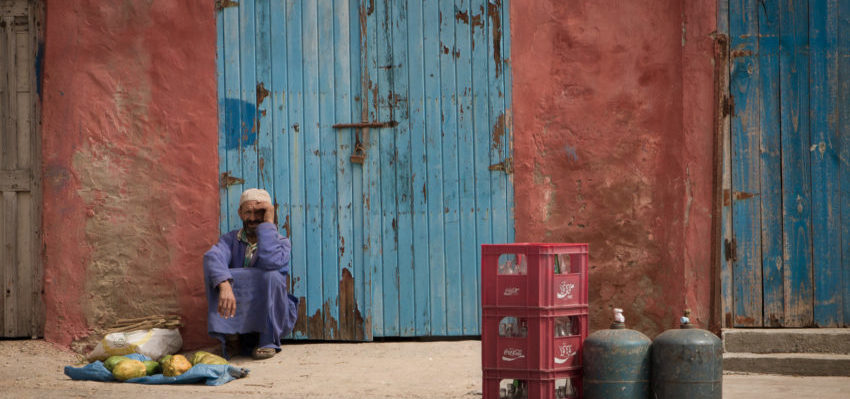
(541, 385)
(540, 349)
(540, 287)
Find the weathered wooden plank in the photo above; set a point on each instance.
(826, 216)
(771, 163)
(496, 14)
(433, 148)
(344, 111)
(724, 145)
(262, 87)
(24, 264)
(385, 140)
(5, 68)
(796, 182)
(38, 316)
(222, 122)
(233, 114)
(419, 172)
(470, 18)
(295, 129)
(843, 111)
(9, 260)
(745, 195)
(404, 191)
(451, 200)
(248, 138)
(278, 109)
(481, 129)
(312, 169)
(362, 286)
(23, 66)
(10, 133)
(6, 247)
(328, 163)
(372, 169)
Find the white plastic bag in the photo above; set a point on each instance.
(154, 343)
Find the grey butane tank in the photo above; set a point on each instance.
(687, 363)
(616, 362)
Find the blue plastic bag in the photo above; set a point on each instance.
(210, 374)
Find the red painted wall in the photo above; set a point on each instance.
(613, 125)
(613, 131)
(130, 162)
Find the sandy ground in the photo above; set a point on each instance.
(444, 369)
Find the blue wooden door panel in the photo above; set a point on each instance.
(746, 190)
(843, 110)
(796, 185)
(418, 167)
(793, 103)
(772, 263)
(404, 199)
(388, 247)
(826, 217)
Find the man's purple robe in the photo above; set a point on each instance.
(262, 304)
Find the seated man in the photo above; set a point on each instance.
(245, 275)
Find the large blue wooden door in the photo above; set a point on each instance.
(382, 129)
(787, 190)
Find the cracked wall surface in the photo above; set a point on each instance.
(130, 163)
(613, 108)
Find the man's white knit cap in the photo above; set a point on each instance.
(255, 194)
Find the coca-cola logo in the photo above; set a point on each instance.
(565, 352)
(510, 291)
(511, 354)
(565, 290)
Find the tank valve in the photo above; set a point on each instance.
(686, 319)
(619, 319)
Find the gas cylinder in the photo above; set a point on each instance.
(616, 362)
(687, 363)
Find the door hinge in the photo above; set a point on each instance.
(222, 4)
(731, 250)
(506, 166)
(227, 180)
(729, 106)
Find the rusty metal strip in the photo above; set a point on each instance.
(222, 4)
(227, 180)
(360, 125)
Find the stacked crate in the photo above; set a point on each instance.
(534, 300)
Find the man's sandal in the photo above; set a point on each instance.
(263, 353)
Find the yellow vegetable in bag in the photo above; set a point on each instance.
(129, 368)
(202, 357)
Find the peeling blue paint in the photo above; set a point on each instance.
(239, 121)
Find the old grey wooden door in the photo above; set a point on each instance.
(21, 307)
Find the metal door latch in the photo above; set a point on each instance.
(506, 166)
(359, 153)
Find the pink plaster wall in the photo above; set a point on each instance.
(613, 125)
(130, 162)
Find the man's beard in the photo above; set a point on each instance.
(250, 230)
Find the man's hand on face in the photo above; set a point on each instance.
(226, 300)
(268, 216)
